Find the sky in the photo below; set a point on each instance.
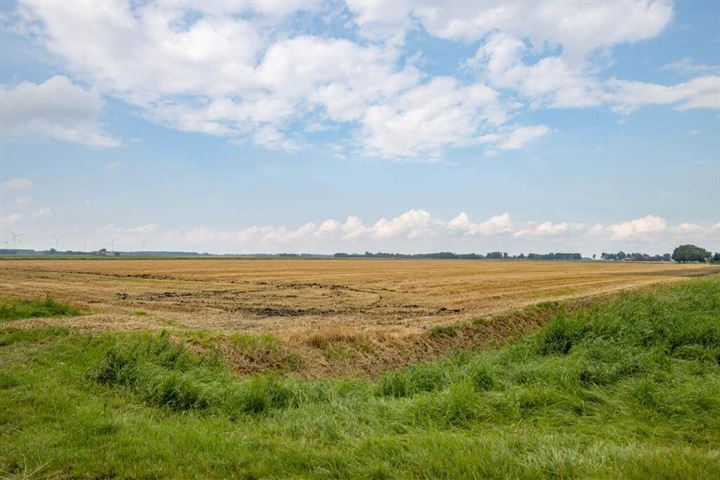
(293, 126)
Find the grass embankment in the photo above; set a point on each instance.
(627, 389)
(18, 309)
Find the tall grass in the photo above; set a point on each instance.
(17, 309)
(627, 389)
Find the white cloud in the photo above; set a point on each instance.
(556, 82)
(689, 228)
(247, 72)
(701, 92)
(10, 218)
(578, 27)
(56, 108)
(645, 226)
(230, 75)
(685, 66)
(17, 184)
(415, 230)
(430, 117)
(550, 82)
(520, 136)
(549, 229)
(42, 212)
(411, 224)
(492, 226)
(418, 227)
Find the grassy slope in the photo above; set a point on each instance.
(629, 389)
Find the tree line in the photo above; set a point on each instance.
(682, 254)
(465, 256)
(635, 257)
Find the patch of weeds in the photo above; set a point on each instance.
(9, 336)
(263, 351)
(251, 342)
(259, 395)
(323, 340)
(481, 375)
(443, 331)
(455, 406)
(558, 336)
(18, 309)
(203, 338)
(413, 380)
(339, 352)
(166, 374)
(8, 379)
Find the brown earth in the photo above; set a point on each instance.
(301, 297)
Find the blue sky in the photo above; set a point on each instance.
(349, 126)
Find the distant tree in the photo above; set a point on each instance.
(716, 257)
(690, 253)
(594, 256)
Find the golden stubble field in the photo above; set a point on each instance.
(292, 296)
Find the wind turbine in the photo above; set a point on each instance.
(15, 236)
(57, 238)
(112, 245)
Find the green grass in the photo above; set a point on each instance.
(18, 309)
(628, 389)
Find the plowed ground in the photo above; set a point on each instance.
(298, 296)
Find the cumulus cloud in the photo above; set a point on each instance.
(578, 27)
(415, 230)
(352, 228)
(640, 227)
(549, 229)
(417, 226)
(555, 81)
(492, 226)
(701, 92)
(411, 224)
(430, 117)
(236, 70)
(56, 108)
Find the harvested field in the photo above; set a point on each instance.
(292, 297)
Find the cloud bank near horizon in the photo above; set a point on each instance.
(414, 231)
